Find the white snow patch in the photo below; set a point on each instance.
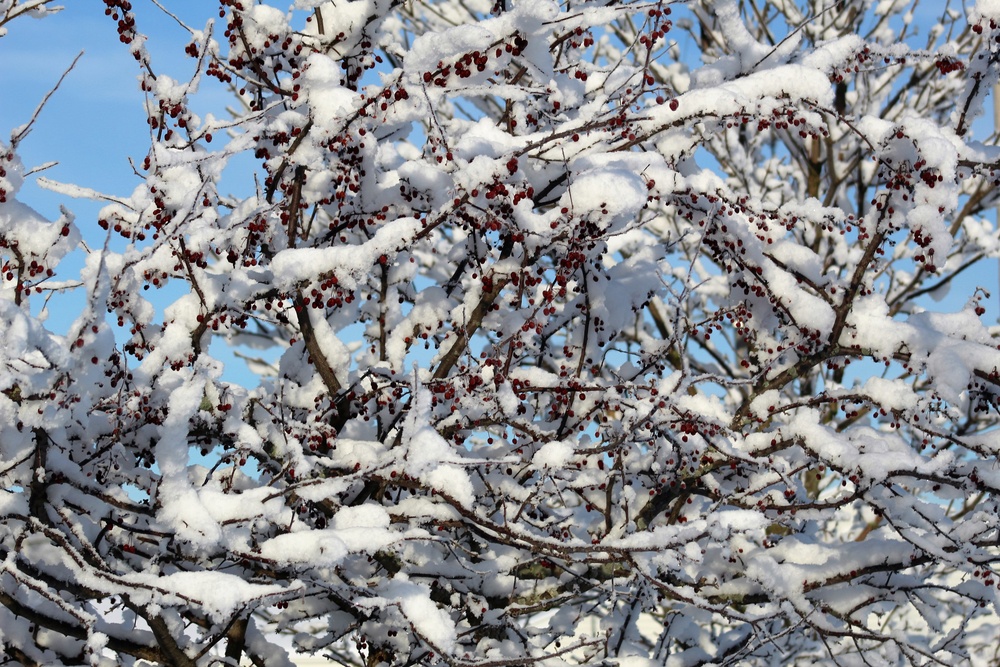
(315, 547)
(553, 454)
(414, 601)
(328, 100)
(430, 458)
(220, 594)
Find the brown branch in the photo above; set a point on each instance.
(173, 654)
(39, 488)
(236, 638)
(319, 359)
(484, 306)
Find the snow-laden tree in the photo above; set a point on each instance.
(597, 332)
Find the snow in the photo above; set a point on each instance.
(430, 458)
(748, 52)
(427, 619)
(579, 328)
(329, 101)
(553, 455)
(349, 264)
(984, 10)
(348, 18)
(764, 403)
(318, 548)
(875, 454)
(220, 594)
(528, 17)
(592, 190)
(428, 50)
(182, 509)
(480, 144)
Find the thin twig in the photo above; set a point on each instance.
(173, 16)
(22, 132)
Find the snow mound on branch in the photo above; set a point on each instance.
(525, 17)
(347, 18)
(948, 347)
(27, 344)
(329, 101)
(553, 455)
(875, 454)
(748, 53)
(315, 547)
(21, 226)
(985, 9)
(183, 508)
(261, 21)
(430, 49)
(430, 458)
(617, 194)
(364, 529)
(348, 263)
(414, 602)
(218, 593)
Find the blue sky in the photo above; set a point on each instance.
(95, 120)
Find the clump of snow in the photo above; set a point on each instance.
(613, 194)
(348, 263)
(261, 21)
(747, 51)
(764, 403)
(414, 601)
(428, 50)
(220, 594)
(430, 458)
(553, 454)
(364, 528)
(182, 508)
(834, 53)
(984, 10)
(321, 548)
(338, 18)
(329, 101)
